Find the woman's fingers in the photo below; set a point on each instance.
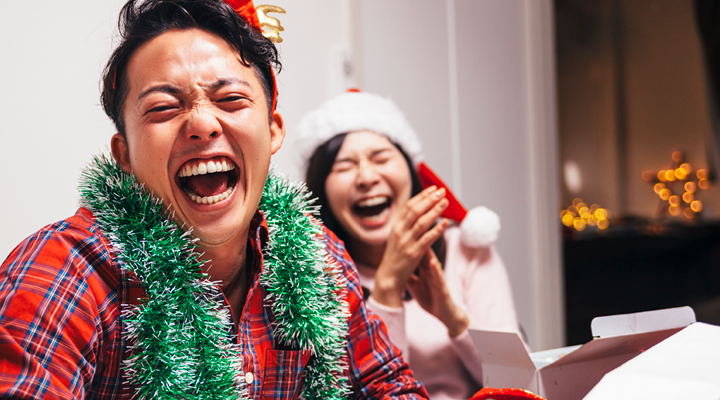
(420, 204)
(431, 235)
(425, 221)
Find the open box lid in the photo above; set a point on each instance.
(685, 366)
(628, 333)
(569, 373)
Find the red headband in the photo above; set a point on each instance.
(246, 9)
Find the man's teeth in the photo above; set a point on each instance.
(373, 201)
(210, 199)
(206, 167)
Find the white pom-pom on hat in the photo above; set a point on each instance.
(355, 111)
(480, 227)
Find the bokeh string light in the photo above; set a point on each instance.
(677, 187)
(579, 216)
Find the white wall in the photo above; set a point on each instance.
(50, 116)
(476, 83)
(476, 80)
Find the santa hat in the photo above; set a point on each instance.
(354, 111)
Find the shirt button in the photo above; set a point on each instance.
(249, 378)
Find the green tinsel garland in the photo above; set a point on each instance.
(180, 333)
(303, 285)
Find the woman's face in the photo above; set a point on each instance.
(368, 184)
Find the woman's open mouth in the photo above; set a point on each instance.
(373, 209)
(207, 181)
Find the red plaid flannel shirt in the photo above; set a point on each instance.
(60, 330)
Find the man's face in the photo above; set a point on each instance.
(197, 132)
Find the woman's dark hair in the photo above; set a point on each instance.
(319, 168)
(142, 21)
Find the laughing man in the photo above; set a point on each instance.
(190, 272)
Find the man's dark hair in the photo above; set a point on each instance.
(142, 21)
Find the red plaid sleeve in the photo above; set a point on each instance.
(57, 316)
(377, 369)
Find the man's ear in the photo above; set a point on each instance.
(119, 148)
(277, 132)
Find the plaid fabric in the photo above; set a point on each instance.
(61, 292)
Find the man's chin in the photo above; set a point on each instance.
(215, 239)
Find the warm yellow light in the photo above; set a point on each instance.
(579, 224)
(674, 200)
(686, 167)
(688, 197)
(674, 210)
(661, 176)
(677, 156)
(567, 220)
(670, 175)
(703, 184)
(594, 208)
(696, 205)
(688, 213)
(658, 187)
(690, 187)
(680, 174)
(583, 210)
(702, 174)
(592, 221)
(576, 201)
(603, 223)
(572, 209)
(600, 213)
(665, 194)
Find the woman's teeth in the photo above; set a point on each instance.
(373, 201)
(208, 167)
(209, 199)
(373, 209)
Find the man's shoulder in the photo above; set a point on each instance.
(75, 236)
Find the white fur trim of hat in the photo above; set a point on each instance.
(350, 112)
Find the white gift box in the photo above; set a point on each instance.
(683, 366)
(569, 373)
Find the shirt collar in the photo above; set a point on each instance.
(257, 241)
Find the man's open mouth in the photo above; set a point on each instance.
(207, 181)
(372, 209)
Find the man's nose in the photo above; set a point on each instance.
(203, 124)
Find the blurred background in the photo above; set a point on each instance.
(583, 123)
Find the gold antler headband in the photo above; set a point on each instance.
(270, 26)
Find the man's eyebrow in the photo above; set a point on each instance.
(227, 81)
(159, 88)
(213, 86)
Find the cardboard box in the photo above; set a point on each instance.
(684, 366)
(569, 373)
